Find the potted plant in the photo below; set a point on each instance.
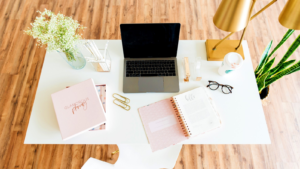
(266, 74)
(59, 33)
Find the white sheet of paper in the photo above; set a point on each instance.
(198, 110)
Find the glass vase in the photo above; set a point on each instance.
(79, 61)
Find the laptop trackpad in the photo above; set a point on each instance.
(151, 84)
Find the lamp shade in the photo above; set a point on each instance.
(290, 15)
(232, 15)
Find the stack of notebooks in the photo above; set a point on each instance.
(179, 118)
(80, 108)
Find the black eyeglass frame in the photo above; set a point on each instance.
(222, 85)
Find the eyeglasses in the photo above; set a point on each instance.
(213, 85)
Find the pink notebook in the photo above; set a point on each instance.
(179, 118)
(78, 109)
(101, 90)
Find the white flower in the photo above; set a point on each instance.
(58, 32)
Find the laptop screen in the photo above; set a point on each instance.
(150, 40)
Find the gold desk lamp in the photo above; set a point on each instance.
(290, 15)
(231, 16)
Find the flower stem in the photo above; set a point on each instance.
(70, 55)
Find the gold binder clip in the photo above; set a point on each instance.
(122, 105)
(121, 98)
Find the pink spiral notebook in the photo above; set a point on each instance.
(78, 109)
(179, 118)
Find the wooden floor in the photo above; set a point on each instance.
(21, 62)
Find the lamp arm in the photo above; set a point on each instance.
(264, 8)
(252, 17)
(246, 25)
(214, 48)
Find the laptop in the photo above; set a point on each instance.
(150, 52)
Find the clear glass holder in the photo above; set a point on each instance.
(103, 65)
(194, 67)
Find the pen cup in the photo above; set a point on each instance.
(99, 58)
(103, 65)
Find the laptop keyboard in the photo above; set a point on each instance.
(144, 68)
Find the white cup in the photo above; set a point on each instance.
(232, 61)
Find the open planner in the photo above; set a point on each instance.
(179, 118)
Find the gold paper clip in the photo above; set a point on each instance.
(122, 105)
(122, 99)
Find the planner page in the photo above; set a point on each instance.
(198, 110)
(161, 124)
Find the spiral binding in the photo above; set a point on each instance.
(181, 119)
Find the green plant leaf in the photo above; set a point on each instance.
(69, 55)
(284, 38)
(267, 66)
(261, 81)
(280, 74)
(294, 70)
(290, 51)
(284, 66)
(263, 58)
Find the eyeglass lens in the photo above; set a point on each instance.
(213, 85)
(225, 90)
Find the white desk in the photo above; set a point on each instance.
(241, 112)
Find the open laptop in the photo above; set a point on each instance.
(150, 52)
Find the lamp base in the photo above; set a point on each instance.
(224, 48)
